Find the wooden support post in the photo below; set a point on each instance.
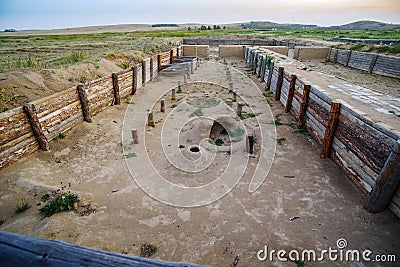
(30, 111)
(270, 71)
(234, 96)
(263, 69)
(134, 79)
(188, 66)
(162, 104)
(348, 58)
(330, 129)
(159, 62)
(373, 62)
(185, 79)
(386, 183)
(150, 119)
(171, 56)
(151, 68)
(250, 144)
(303, 106)
(239, 109)
(143, 72)
(135, 136)
(84, 103)
(192, 67)
(117, 99)
(290, 93)
(279, 84)
(335, 56)
(173, 94)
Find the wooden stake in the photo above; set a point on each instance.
(348, 58)
(303, 106)
(159, 62)
(151, 68)
(162, 103)
(185, 79)
(330, 129)
(373, 62)
(271, 70)
(143, 72)
(234, 96)
(250, 144)
(30, 111)
(171, 56)
(290, 93)
(239, 109)
(134, 79)
(117, 99)
(279, 84)
(84, 103)
(173, 94)
(135, 136)
(386, 183)
(150, 119)
(231, 86)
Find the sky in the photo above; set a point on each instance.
(54, 14)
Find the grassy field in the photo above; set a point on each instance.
(49, 51)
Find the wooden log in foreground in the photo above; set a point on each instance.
(84, 103)
(250, 144)
(239, 108)
(30, 111)
(290, 93)
(21, 250)
(162, 105)
(330, 129)
(173, 94)
(117, 98)
(135, 136)
(150, 119)
(303, 106)
(386, 183)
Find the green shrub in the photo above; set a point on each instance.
(60, 201)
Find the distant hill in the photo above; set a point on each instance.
(267, 25)
(364, 25)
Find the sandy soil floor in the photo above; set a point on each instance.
(92, 159)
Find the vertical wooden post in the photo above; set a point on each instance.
(188, 66)
(279, 84)
(185, 78)
(135, 136)
(84, 103)
(270, 71)
(330, 129)
(134, 79)
(303, 106)
(335, 55)
(30, 111)
(192, 67)
(234, 96)
(386, 183)
(290, 93)
(373, 62)
(263, 68)
(143, 72)
(250, 144)
(117, 99)
(150, 119)
(151, 68)
(239, 109)
(162, 104)
(348, 58)
(159, 62)
(171, 56)
(173, 93)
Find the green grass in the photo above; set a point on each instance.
(197, 113)
(6, 97)
(63, 201)
(277, 120)
(21, 206)
(181, 146)
(61, 135)
(130, 155)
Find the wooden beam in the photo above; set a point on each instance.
(171, 56)
(373, 62)
(151, 68)
(270, 71)
(290, 93)
(348, 58)
(134, 79)
(303, 106)
(386, 184)
(84, 103)
(330, 129)
(335, 56)
(117, 99)
(250, 144)
(21, 250)
(30, 111)
(279, 84)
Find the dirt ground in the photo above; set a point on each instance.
(92, 157)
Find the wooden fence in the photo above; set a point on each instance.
(367, 152)
(25, 129)
(373, 63)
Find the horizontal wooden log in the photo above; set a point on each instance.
(20, 250)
